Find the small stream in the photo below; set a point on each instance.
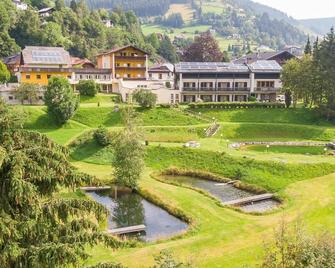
(128, 209)
(226, 192)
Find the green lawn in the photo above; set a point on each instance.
(289, 116)
(221, 237)
(225, 238)
(313, 150)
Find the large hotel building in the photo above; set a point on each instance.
(126, 69)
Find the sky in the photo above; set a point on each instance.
(303, 9)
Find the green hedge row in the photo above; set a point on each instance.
(235, 105)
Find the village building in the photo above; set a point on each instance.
(281, 57)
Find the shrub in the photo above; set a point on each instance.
(87, 88)
(295, 248)
(145, 98)
(62, 103)
(102, 136)
(235, 105)
(168, 84)
(252, 99)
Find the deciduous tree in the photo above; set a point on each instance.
(4, 73)
(204, 49)
(60, 99)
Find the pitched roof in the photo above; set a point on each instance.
(81, 62)
(116, 49)
(165, 67)
(265, 66)
(14, 59)
(261, 56)
(45, 56)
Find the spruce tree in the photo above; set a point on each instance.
(38, 228)
(308, 47)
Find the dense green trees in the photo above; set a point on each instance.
(175, 20)
(311, 78)
(204, 49)
(145, 98)
(87, 88)
(37, 227)
(4, 73)
(60, 99)
(167, 50)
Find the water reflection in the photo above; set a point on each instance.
(129, 209)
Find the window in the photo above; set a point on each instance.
(48, 76)
(160, 76)
(38, 76)
(129, 75)
(10, 97)
(40, 97)
(69, 76)
(118, 65)
(128, 64)
(150, 75)
(27, 76)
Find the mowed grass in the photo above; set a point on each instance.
(289, 116)
(312, 150)
(225, 238)
(173, 134)
(274, 132)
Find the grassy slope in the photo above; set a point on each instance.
(224, 238)
(315, 150)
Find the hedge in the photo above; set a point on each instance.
(235, 105)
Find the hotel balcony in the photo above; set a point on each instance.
(130, 57)
(130, 67)
(267, 89)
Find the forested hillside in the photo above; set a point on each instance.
(140, 7)
(81, 31)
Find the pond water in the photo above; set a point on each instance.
(128, 209)
(260, 206)
(226, 192)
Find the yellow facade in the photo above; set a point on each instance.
(41, 77)
(127, 63)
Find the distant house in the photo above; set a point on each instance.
(279, 56)
(81, 63)
(108, 23)
(12, 62)
(20, 5)
(46, 12)
(162, 72)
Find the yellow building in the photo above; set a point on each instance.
(39, 64)
(129, 62)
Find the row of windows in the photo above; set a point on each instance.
(220, 84)
(265, 84)
(129, 65)
(39, 76)
(89, 76)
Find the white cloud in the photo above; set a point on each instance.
(302, 9)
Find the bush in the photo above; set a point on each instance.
(62, 103)
(252, 99)
(87, 88)
(145, 98)
(235, 105)
(102, 136)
